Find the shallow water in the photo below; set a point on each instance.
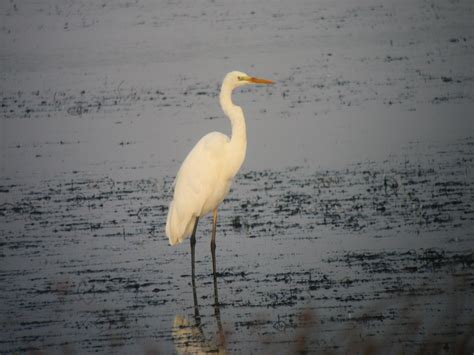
(375, 249)
(348, 229)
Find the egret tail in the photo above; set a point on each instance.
(178, 227)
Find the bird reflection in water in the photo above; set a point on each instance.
(189, 337)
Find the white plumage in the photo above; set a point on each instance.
(202, 184)
(205, 177)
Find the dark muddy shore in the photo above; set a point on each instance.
(349, 229)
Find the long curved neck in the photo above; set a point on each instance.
(238, 141)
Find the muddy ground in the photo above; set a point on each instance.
(349, 229)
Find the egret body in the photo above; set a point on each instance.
(205, 177)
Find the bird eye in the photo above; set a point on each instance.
(240, 78)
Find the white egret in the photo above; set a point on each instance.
(205, 177)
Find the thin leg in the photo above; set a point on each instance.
(193, 244)
(193, 279)
(213, 243)
(197, 316)
(217, 314)
(217, 311)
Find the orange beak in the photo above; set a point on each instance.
(260, 80)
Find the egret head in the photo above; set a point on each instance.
(236, 79)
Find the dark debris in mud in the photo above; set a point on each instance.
(121, 99)
(362, 198)
(97, 254)
(411, 261)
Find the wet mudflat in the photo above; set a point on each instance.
(377, 254)
(350, 227)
